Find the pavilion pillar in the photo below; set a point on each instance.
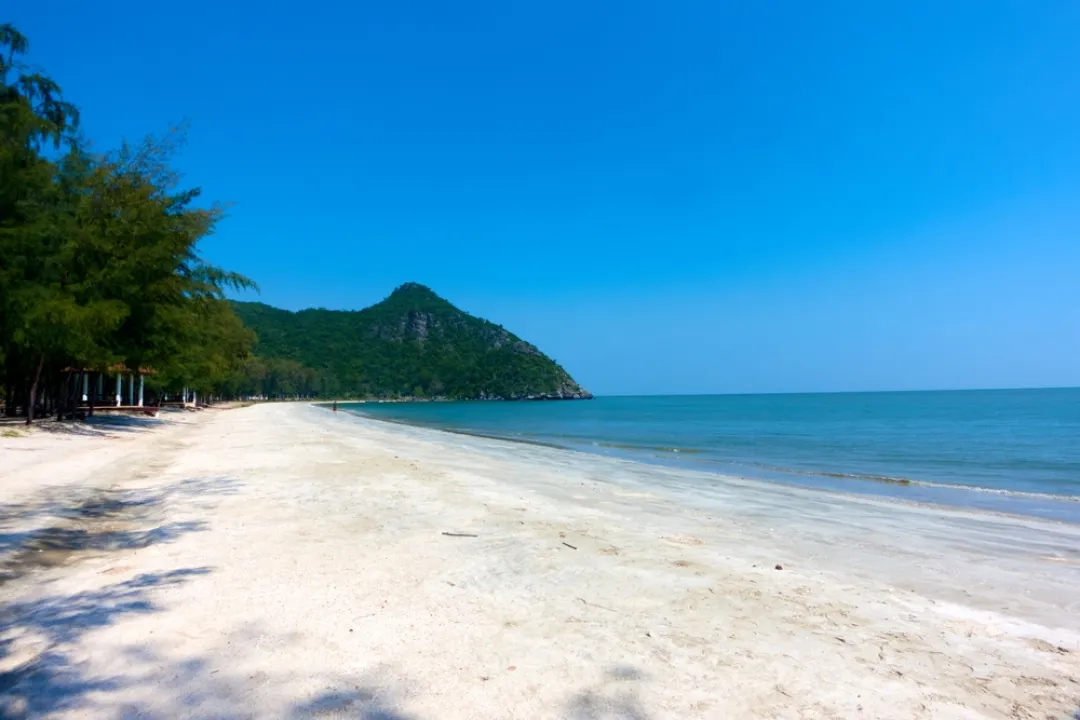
(85, 386)
(142, 386)
(194, 397)
(118, 398)
(131, 389)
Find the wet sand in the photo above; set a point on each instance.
(284, 561)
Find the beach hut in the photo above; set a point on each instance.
(119, 379)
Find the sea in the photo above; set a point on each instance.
(1012, 451)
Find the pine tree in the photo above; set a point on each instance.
(99, 262)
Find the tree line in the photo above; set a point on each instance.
(99, 264)
(100, 275)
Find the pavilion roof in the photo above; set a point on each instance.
(113, 368)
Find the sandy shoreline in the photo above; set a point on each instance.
(284, 561)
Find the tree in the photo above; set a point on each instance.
(99, 262)
(32, 112)
(32, 108)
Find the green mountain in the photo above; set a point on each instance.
(412, 344)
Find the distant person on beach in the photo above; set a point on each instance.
(335, 406)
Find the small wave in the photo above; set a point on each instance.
(575, 442)
(889, 479)
(1000, 491)
(869, 477)
(903, 481)
(650, 448)
(874, 478)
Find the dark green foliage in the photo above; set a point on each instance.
(99, 269)
(412, 344)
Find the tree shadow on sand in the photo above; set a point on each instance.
(156, 686)
(615, 698)
(43, 639)
(44, 644)
(153, 685)
(358, 704)
(98, 504)
(52, 680)
(103, 424)
(58, 527)
(57, 545)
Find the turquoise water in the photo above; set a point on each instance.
(1006, 450)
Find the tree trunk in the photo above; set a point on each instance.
(48, 392)
(64, 401)
(76, 395)
(18, 397)
(32, 395)
(66, 397)
(11, 372)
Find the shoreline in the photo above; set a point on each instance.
(1044, 506)
(284, 561)
(727, 494)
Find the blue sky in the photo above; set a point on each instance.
(665, 197)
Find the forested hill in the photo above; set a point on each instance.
(412, 344)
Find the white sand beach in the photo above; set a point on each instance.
(281, 561)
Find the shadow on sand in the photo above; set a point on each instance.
(44, 641)
(53, 680)
(103, 424)
(614, 699)
(362, 704)
(59, 527)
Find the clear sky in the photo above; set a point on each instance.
(698, 196)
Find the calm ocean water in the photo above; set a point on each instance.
(1006, 450)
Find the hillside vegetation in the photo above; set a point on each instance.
(412, 344)
(102, 278)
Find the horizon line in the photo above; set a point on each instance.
(840, 392)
